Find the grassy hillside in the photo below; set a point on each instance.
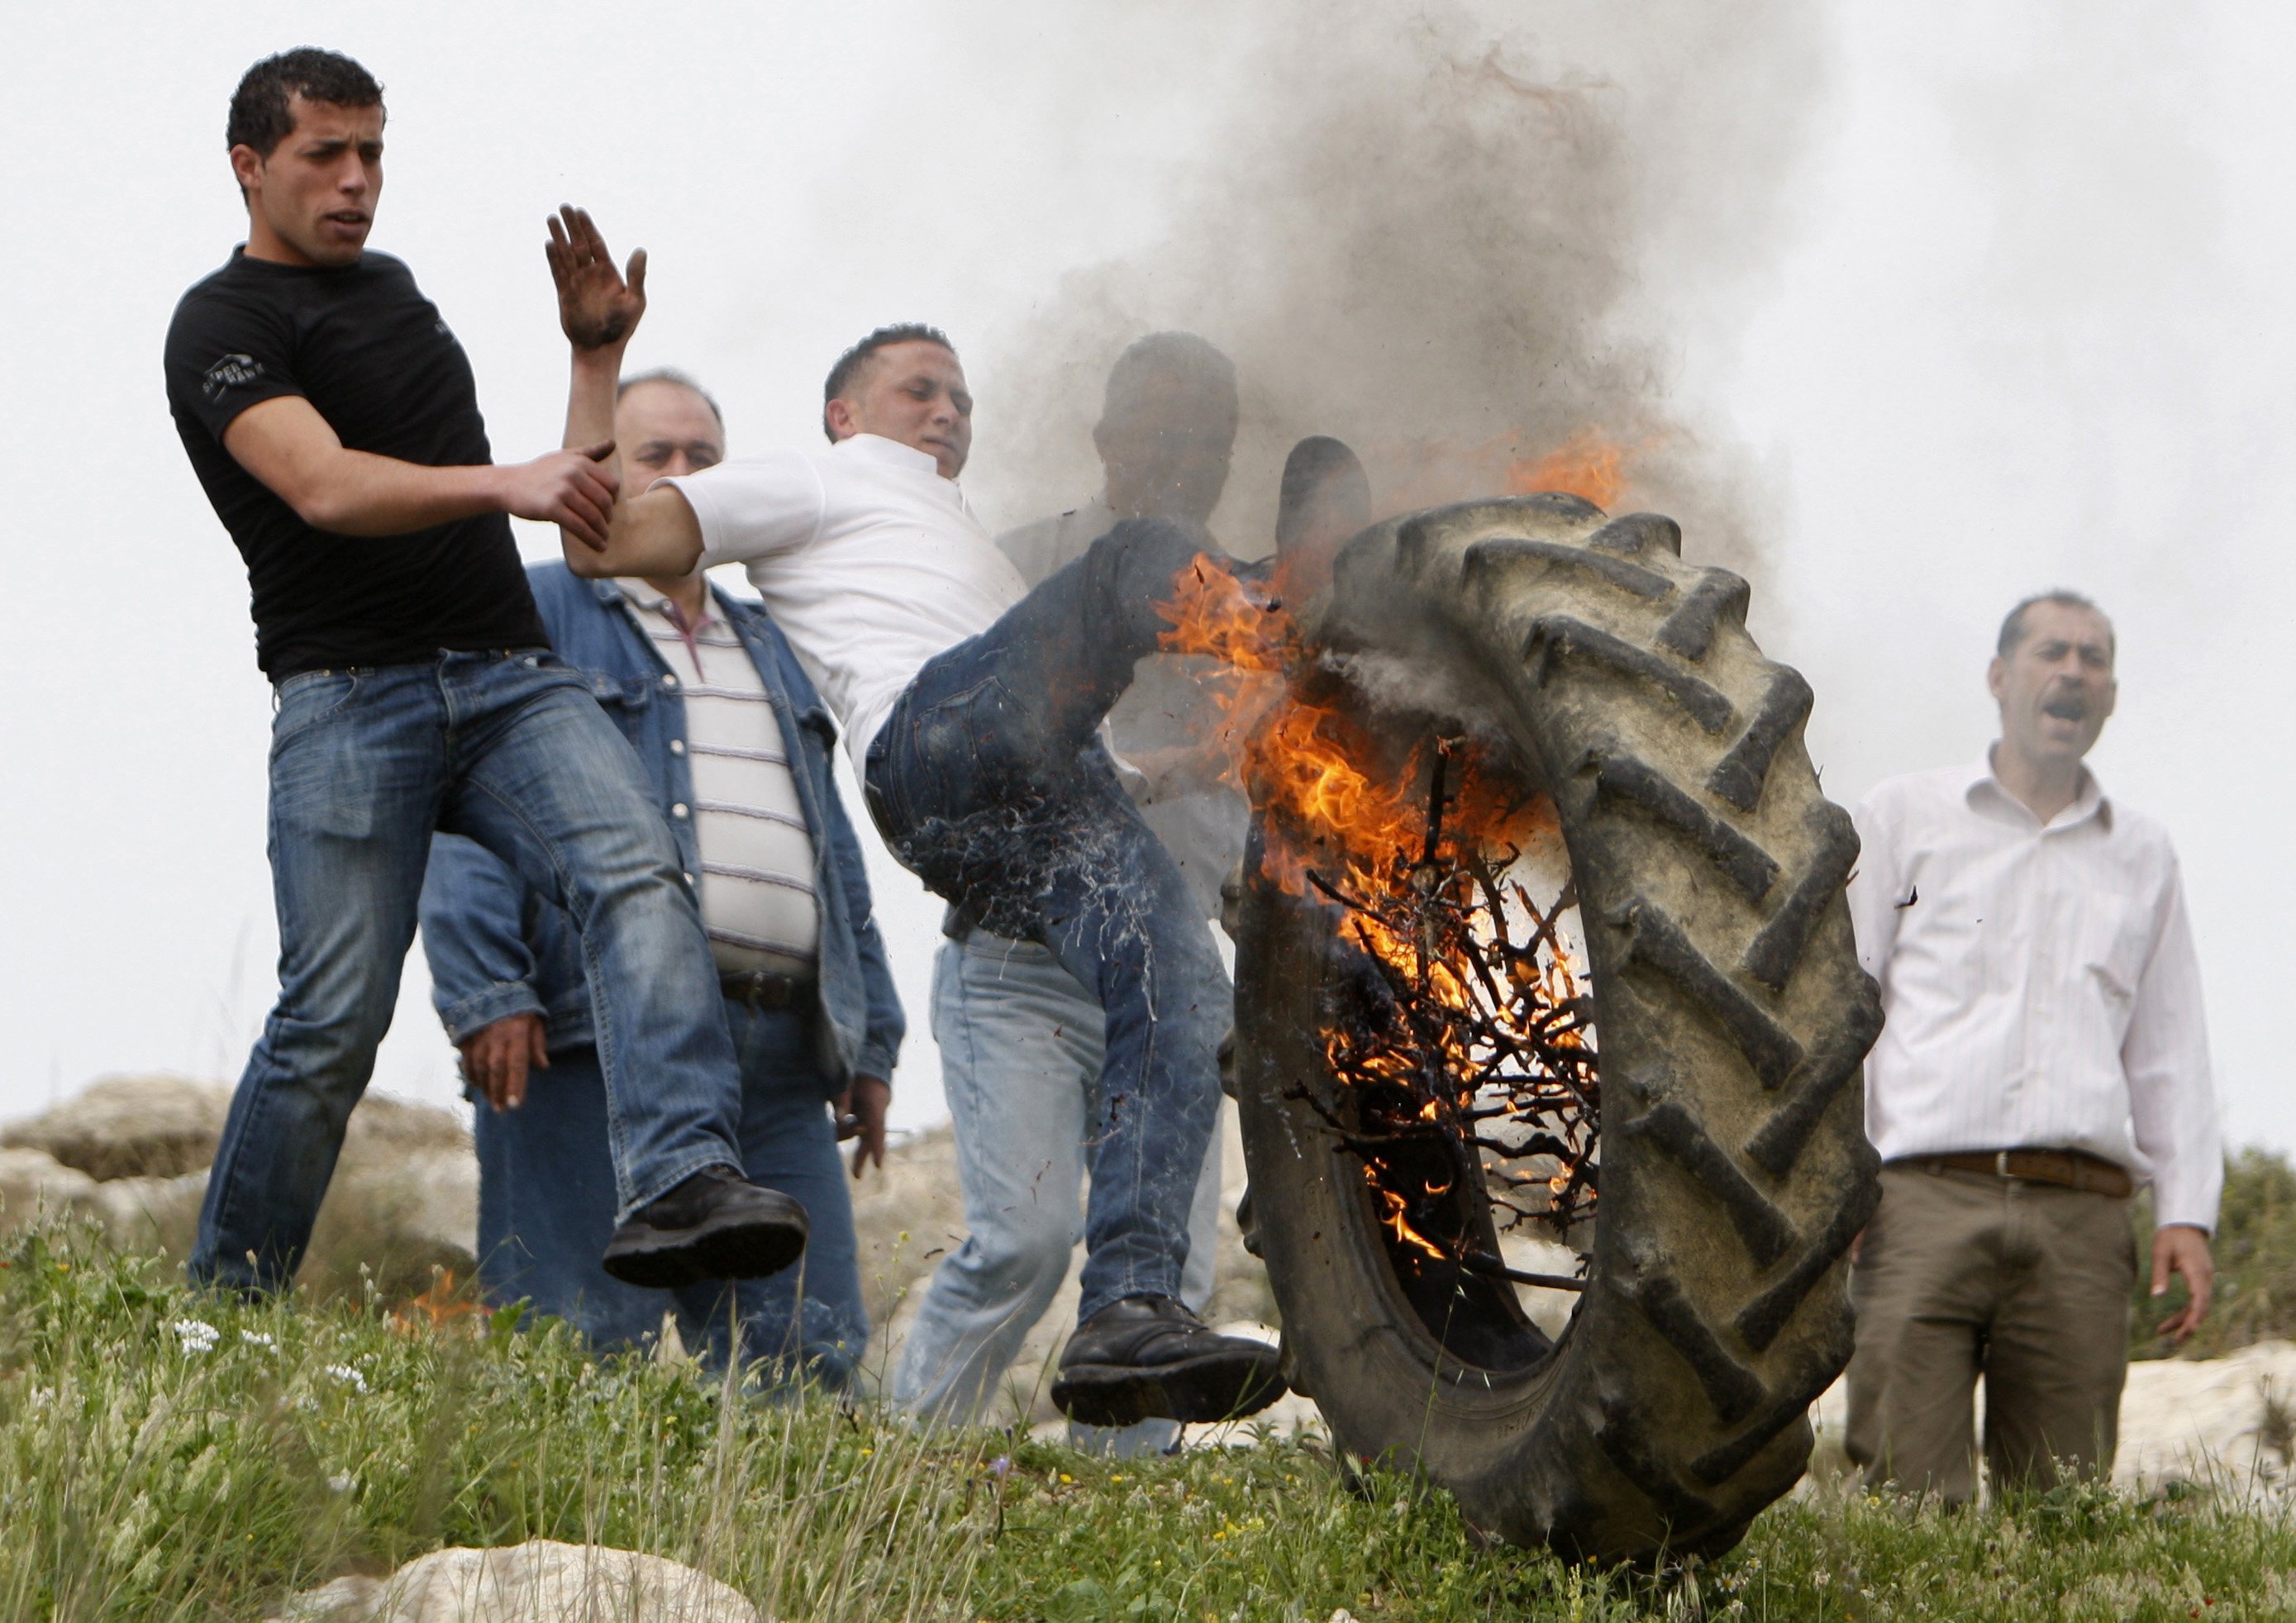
(165, 1455)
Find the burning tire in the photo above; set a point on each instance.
(1570, 658)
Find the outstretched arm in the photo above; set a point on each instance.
(286, 444)
(652, 535)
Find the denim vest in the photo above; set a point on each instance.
(499, 948)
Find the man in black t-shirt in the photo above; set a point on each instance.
(333, 419)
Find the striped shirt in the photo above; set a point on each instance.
(757, 899)
(2040, 984)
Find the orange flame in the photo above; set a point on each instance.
(1305, 765)
(1339, 811)
(442, 1306)
(1427, 473)
(1397, 1218)
(1585, 465)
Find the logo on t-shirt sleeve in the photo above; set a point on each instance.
(232, 371)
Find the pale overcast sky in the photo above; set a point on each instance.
(2018, 322)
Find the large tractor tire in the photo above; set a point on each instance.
(1730, 1016)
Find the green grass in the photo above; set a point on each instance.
(167, 1456)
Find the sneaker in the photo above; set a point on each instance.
(1147, 1357)
(716, 1225)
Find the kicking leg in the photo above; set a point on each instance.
(545, 782)
(986, 723)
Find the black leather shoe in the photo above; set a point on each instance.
(716, 1225)
(1147, 1357)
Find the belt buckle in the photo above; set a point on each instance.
(2001, 1164)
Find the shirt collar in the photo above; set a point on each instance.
(890, 453)
(645, 596)
(2089, 801)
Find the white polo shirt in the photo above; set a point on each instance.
(867, 559)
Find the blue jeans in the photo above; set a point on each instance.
(989, 784)
(511, 750)
(1021, 1054)
(546, 1210)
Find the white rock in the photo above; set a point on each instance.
(145, 1214)
(33, 1182)
(131, 1152)
(156, 1126)
(1550, 1310)
(2226, 1423)
(541, 1582)
(423, 1194)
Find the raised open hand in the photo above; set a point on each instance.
(597, 305)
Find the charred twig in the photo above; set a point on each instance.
(1462, 1031)
(1484, 1263)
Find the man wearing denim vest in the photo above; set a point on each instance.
(737, 747)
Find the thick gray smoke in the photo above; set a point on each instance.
(1460, 237)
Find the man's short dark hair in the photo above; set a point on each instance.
(2012, 628)
(670, 374)
(261, 116)
(850, 365)
(1181, 355)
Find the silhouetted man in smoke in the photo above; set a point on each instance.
(333, 420)
(1165, 437)
(971, 706)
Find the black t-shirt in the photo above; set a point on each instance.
(371, 355)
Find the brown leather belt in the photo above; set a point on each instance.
(2064, 1168)
(764, 989)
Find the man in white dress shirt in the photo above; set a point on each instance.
(2045, 1054)
(971, 706)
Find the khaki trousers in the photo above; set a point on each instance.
(1963, 1274)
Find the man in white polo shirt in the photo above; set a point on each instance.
(2045, 1053)
(973, 708)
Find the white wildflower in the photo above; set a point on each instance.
(349, 1376)
(196, 1335)
(257, 1338)
(340, 1483)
